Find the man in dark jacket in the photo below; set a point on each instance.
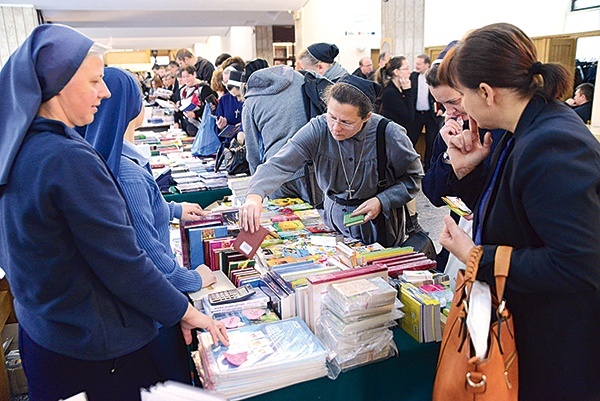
(204, 68)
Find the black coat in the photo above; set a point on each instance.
(546, 204)
(414, 81)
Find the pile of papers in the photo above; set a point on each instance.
(356, 321)
(260, 358)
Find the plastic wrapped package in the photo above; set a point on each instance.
(348, 352)
(261, 358)
(362, 294)
(355, 316)
(348, 328)
(347, 347)
(337, 366)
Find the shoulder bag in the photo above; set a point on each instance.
(397, 230)
(462, 376)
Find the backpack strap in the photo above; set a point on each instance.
(382, 182)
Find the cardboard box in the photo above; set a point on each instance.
(16, 376)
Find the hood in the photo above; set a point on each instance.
(270, 81)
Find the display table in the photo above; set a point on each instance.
(203, 198)
(407, 377)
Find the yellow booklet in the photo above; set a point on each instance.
(457, 205)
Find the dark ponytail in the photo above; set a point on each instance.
(503, 56)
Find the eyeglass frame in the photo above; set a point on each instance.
(332, 121)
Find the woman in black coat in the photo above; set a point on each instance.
(540, 195)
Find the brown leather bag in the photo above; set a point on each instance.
(462, 376)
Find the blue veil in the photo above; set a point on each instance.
(36, 72)
(106, 132)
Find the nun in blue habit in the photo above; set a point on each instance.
(111, 134)
(86, 297)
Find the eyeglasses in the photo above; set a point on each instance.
(331, 120)
(404, 68)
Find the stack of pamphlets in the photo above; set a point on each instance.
(239, 189)
(260, 358)
(356, 321)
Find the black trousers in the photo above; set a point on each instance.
(52, 376)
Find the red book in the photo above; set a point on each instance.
(248, 243)
(395, 271)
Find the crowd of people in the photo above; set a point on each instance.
(84, 238)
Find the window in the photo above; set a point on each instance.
(577, 5)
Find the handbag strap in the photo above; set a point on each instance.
(473, 264)
(501, 268)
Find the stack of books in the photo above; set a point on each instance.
(260, 358)
(318, 286)
(423, 318)
(239, 189)
(356, 321)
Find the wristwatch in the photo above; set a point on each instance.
(446, 158)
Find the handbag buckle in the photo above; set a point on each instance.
(476, 385)
(501, 307)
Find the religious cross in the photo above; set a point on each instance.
(350, 192)
(236, 113)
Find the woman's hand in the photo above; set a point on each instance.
(451, 128)
(250, 213)
(193, 319)
(465, 149)
(207, 276)
(191, 211)
(221, 122)
(405, 83)
(456, 240)
(370, 208)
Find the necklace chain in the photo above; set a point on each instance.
(350, 182)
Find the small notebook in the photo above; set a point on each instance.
(248, 243)
(353, 220)
(229, 131)
(457, 205)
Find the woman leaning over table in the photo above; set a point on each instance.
(86, 297)
(342, 145)
(540, 195)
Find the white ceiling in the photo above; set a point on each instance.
(162, 24)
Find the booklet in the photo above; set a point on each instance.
(353, 220)
(248, 243)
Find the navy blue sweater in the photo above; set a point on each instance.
(82, 287)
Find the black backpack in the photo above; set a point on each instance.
(312, 89)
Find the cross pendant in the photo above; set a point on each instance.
(350, 192)
(236, 113)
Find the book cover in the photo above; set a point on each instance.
(240, 318)
(212, 246)
(248, 243)
(353, 220)
(413, 309)
(293, 225)
(278, 218)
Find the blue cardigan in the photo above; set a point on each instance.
(151, 215)
(82, 287)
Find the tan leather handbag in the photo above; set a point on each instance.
(462, 376)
